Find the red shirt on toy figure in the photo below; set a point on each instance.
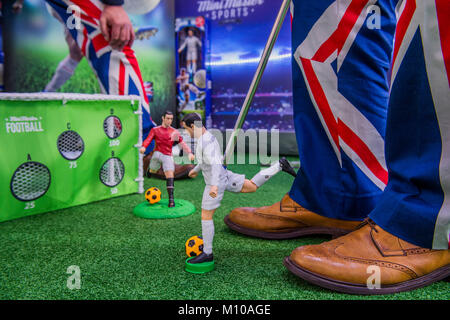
(164, 139)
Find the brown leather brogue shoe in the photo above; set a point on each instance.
(285, 220)
(181, 171)
(369, 261)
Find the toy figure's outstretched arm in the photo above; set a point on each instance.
(194, 172)
(147, 141)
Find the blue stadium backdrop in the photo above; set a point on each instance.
(238, 33)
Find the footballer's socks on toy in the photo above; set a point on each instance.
(63, 72)
(207, 235)
(265, 174)
(170, 187)
(286, 167)
(203, 257)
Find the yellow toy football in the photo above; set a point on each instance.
(153, 195)
(194, 246)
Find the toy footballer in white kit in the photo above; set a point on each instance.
(191, 42)
(218, 179)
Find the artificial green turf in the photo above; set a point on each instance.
(122, 256)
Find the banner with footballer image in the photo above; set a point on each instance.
(238, 32)
(192, 76)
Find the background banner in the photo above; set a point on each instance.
(192, 56)
(238, 32)
(38, 47)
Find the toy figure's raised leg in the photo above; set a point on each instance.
(264, 175)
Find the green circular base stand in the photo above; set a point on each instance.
(161, 210)
(198, 268)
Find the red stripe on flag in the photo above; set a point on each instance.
(99, 42)
(88, 19)
(85, 40)
(402, 26)
(337, 40)
(443, 13)
(340, 129)
(121, 79)
(363, 151)
(321, 99)
(129, 54)
(89, 8)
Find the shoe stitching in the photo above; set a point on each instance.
(385, 264)
(418, 251)
(379, 263)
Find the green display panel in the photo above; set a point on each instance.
(60, 151)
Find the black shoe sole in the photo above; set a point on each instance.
(351, 288)
(210, 259)
(286, 167)
(287, 233)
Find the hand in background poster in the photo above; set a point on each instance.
(17, 6)
(116, 27)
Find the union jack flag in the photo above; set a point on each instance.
(372, 116)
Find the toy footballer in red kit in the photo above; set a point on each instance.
(165, 136)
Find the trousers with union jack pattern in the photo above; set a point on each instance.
(118, 72)
(373, 118)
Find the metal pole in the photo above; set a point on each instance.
(257, 77)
